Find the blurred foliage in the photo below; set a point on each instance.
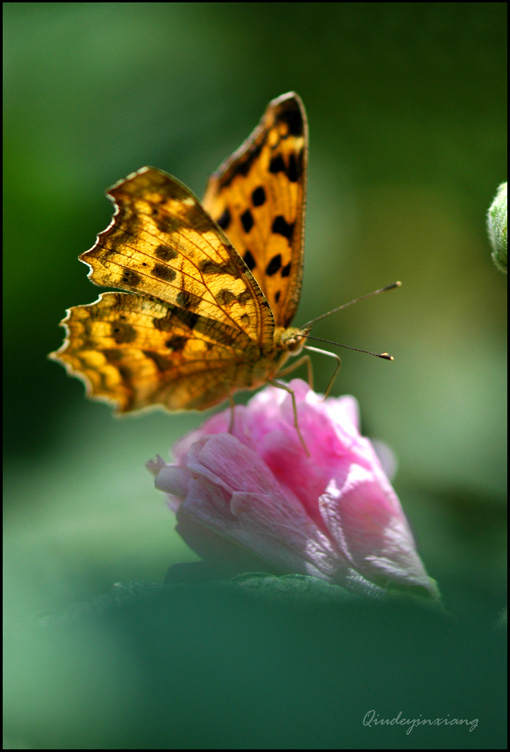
(216, 667)
(407, 112)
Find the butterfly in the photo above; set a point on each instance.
(209, 288)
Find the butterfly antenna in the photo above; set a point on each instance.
(384, 356)
(346, 305)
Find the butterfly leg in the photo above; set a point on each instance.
(337, 367)
(294, 409)
(304, 359)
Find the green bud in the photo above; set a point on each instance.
(496, 225)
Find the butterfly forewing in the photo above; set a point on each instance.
(162, 243)
(258, 198)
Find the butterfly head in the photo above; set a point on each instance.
(292, 339)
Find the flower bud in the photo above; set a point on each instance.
(497, 227)
(252, 497)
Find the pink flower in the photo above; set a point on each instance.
(254, 499)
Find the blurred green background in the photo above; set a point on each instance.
(406, 105)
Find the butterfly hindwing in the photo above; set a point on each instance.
(258, 198)
(137, 353)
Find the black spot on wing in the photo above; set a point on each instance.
(247, 220)
(130, 278)
(244, 297)
(165, 253)
(252, 155)
(245, 319)
(162, 362)
(185, 317)
(282, 227)
(225, 297)
(168, 222)
(207, 266)
(164, 273)
(243, 166)
(277, 165)
(224, 220)
(274, 265)
(249, 260)
(291, 115)
(126, 373)
(286, 270)
(164, 223)
(175, 317)
(186, 299)
(258, 197)
(292, 170)
(177, 343)
(123, 333)
(277, 296)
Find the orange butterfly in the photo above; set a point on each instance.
(212, 287)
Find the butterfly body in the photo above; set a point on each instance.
(209, 289)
